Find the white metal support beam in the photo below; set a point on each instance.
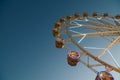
(109, 47)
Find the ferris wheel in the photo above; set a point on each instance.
(79, 31)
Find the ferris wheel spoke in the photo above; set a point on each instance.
(75, 27)
(109, 47)
(84, 35)
(93, 23)
(95, 65)
(97, 27)
(114, 59)
(117, 23)
(107, 24)
(76, 32)
(93, 48)
(87, 65)
(98, 34)
(75, 23)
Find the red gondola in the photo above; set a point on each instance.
(104, 75)
(73, 58)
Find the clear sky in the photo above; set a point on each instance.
(27, 50)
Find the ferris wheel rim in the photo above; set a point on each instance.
(106, 32)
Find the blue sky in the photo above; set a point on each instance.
(27, 50)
